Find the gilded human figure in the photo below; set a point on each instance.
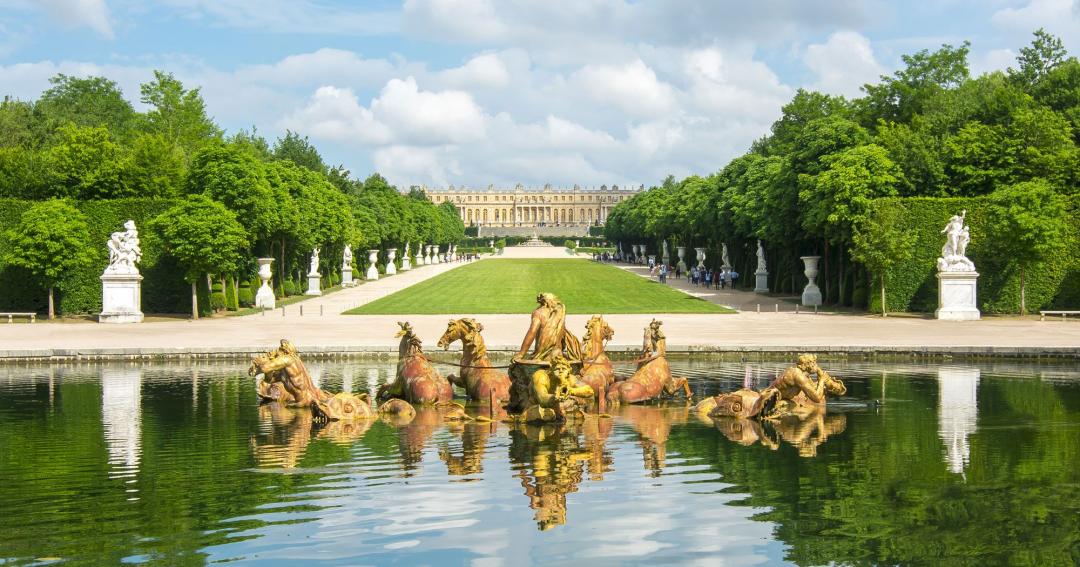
(124, 250)
(549, 339)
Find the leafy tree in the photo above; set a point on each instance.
(50, 242)
(233, 177)
(1026, 226)
(89, 102)
(155, 167)
(1044, 54)
(17, 124)
(879, 244)
(299, 151)
(901, 96)
(177, 113)
(918, 154)
(87, 164)
(840, 195)
(204, 237)
(24, 173)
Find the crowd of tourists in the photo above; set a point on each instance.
(700, 277)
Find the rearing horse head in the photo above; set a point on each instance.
(466, 330)
(598, 327)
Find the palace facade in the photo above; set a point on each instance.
(547, 206)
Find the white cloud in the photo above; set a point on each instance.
(486, 71)
(78, 13)
(843, 64)
(287, 16)
(633, 88)
(1059, 17)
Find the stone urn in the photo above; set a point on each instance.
(391, 267)
(811, 294)
(421, 259)
(373, 268)
(644, 251)
(681, 251)
(264, 298)
(700, 258)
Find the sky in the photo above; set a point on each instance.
(500, 92)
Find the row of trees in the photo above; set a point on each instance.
(238, 197)
(928, 130)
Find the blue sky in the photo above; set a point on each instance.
(478, 92)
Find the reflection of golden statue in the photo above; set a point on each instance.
(805, 431)
(474, 436)
(596, 370)
(416, 380)
(653, 425)
(286, 379)
(286, 433)
(653, 377)
(550, 463)
(481, 382)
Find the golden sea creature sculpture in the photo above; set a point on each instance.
(416, 381)
(653, 377)
(285, 379)
(549, 338)
(793, 393)
(597, 370)
(480, 381)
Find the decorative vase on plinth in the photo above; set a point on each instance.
(421, 258)
(264, 298)
(811, 294)
(406, 262)
(428, 258)
(121, 298)
(391, 267)
(641, 257)
(700, 258)
(681, 251)
(634, 250)
(373, 268)
(957, 293)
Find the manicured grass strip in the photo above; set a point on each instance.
(511, 285)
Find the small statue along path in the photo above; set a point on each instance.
(417, 381)
(286, 380)
(479, 379)
(653, 376)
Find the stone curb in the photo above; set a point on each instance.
(390, 351)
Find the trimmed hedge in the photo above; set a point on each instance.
(163, 287)
(912, 285)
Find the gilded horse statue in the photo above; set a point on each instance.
(596, 370)
(653, 376)
(793, 393)
(417, 381)
(285, 376)
(480, 381)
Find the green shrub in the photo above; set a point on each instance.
(290, 287)
(231, 302)
(217, 301)
(217, 287)
(570, 244)
(245, 297)
(500, 243)
(202, 290)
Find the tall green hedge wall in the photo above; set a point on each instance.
(912, 285)
(163, 287)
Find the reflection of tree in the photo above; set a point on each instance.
(653, 425)
(549, 460)
(881, 491)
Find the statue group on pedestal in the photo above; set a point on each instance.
(954, 252)
(124, 251)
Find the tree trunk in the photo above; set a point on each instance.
(841, 287)
(281, 269)
(1023, 300)
(52, 311)
(884, 311)
(825, 275)
(194, 302)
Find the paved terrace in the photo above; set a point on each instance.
(332, 332)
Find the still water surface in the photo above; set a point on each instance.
(177, 464)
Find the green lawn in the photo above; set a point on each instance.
(510, 286)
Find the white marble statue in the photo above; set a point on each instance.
(124, 250)
(954, 252)
(346, 259)
(723, 256)
(760, 257)
(314, 262)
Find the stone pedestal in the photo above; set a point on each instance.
(406, 262)
(314, 284)
(346, 277)
(811, 294)
(373, 267)
(121, 298)
(957, 296)
(264, 298)
(421, 255)
(391, 267)
(761, 285)
(437, 255)
(681, 251)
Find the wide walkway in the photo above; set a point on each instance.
(334, 332)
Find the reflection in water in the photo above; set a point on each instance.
(121, 418)
(957, 412)
(846, 486)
